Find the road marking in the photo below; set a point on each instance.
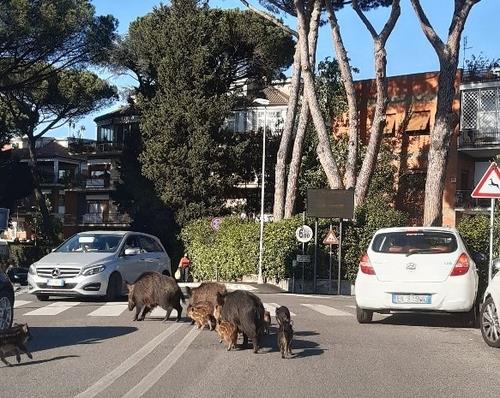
(305, 295)
(129, 363)
(159, 312)
(109, 309)
(163, 367)
(54, 308)
(271, 307)
(326, 310)
(351, 306)
(20, 303)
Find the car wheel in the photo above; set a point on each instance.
(363, 316)
(6, 310)
(42, 297)
(490, 328)
(114, 290)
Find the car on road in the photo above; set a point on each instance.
(18, 275)
(488, 317)
(6, 302)
(97, 263)
(416, 269)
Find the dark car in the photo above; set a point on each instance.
(6, 302)
(18, 275)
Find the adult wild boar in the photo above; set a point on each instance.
(246, 311)
(206, 292)
(154, 289)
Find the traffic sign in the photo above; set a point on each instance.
(215, 223)
(304, 233)
(489, 185)
(303, 258)
(330, 238)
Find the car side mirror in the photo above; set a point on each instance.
(479, 257)
(132, 251)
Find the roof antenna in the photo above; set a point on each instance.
(465, 48)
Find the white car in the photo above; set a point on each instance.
(416, 269)
(488, 319)
(97, 263)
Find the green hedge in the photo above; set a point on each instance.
(23, 254)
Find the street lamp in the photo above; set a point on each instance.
(265, 103)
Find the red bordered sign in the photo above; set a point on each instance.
(489, 185)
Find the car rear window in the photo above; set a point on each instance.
(409, 242)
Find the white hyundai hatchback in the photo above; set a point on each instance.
(416, 269)
(489, 322)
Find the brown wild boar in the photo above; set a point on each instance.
(228, 332)
(154, 289)
(207, 291)
(202, 314)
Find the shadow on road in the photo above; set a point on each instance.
(428, 320)
(301, 348)
(45, 338)
(36, 362)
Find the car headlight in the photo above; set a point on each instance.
(95, 269)
(32, 270)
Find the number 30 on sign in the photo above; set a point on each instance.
(304, 233)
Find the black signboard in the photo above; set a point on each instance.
(330, 203)
(4, 219)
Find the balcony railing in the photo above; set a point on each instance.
(463, 200)
(481, 75)
(80, 146)
(477, 139)
(105, 218)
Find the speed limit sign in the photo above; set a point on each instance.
(304, 233)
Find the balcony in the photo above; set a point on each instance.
(105, 219)
(464, 201)
(481, 75)
(78, 146)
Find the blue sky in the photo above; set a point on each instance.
(408, 50)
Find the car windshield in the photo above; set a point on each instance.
(99, 243)
(415, 242)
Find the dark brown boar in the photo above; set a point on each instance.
(207, 291)
(154, 289)
(246, 311)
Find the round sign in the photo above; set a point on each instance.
(215, 223)
(304, 233)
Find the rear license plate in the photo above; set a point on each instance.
(411, 298)
(55, 282)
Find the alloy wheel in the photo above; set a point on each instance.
(489, 325)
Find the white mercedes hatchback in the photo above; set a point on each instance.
(416, 269)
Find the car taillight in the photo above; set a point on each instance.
(461, 266)
(365, 266)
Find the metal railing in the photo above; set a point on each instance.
(463, 200)
(105, 218)
(476, 139)
(481, 75)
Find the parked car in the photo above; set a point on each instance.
(18, 275)
(416, 269)
(6, 302)
(488, 319)
(97, 263)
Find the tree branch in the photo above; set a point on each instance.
(270, 18)
(462, 9)
(391, 22)
(429, 31)
(364, 19)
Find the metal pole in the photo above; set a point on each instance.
(315, 253)
(260, 280)
(340, 258)
(330, 267)
(303, 252)
(492, 220)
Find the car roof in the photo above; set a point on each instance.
(104, 233)
(420, 228)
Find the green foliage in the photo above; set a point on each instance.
(374, 214)
(187, 58)
(25, 254)
(52, 236)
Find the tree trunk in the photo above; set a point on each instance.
(40, 199)
(437, 162)
(324, 150)
(352, 106)
(282, 156)
(294, 168)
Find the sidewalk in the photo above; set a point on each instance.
(250, 286)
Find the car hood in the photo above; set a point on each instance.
(73, 259)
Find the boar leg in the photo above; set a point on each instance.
(255, 342)
(5, 361)
(137, 312)
(178, 307)
(23, 348)
(167, 315)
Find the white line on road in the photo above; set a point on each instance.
(304, 295)
(159, 312)
(326, 310)
(54, 308)
(351, 306)
(129, 363)
(109, 309)
(163, 367)
(20, 303)
(271, 307)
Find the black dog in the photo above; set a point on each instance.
(285, 335)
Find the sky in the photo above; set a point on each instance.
(408, 51)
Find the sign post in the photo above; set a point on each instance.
(489, 187)
(303, 234)
(330, 239)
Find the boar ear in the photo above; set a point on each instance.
(220, 298)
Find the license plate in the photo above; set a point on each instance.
(411, 298)
(55, 282)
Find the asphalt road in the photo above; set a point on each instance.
(89, 349)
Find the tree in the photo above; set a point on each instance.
(445, 119)
(36, 110)
(190, 61)
(15, 180)
(41, 38)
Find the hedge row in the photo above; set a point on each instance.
(24, 254)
